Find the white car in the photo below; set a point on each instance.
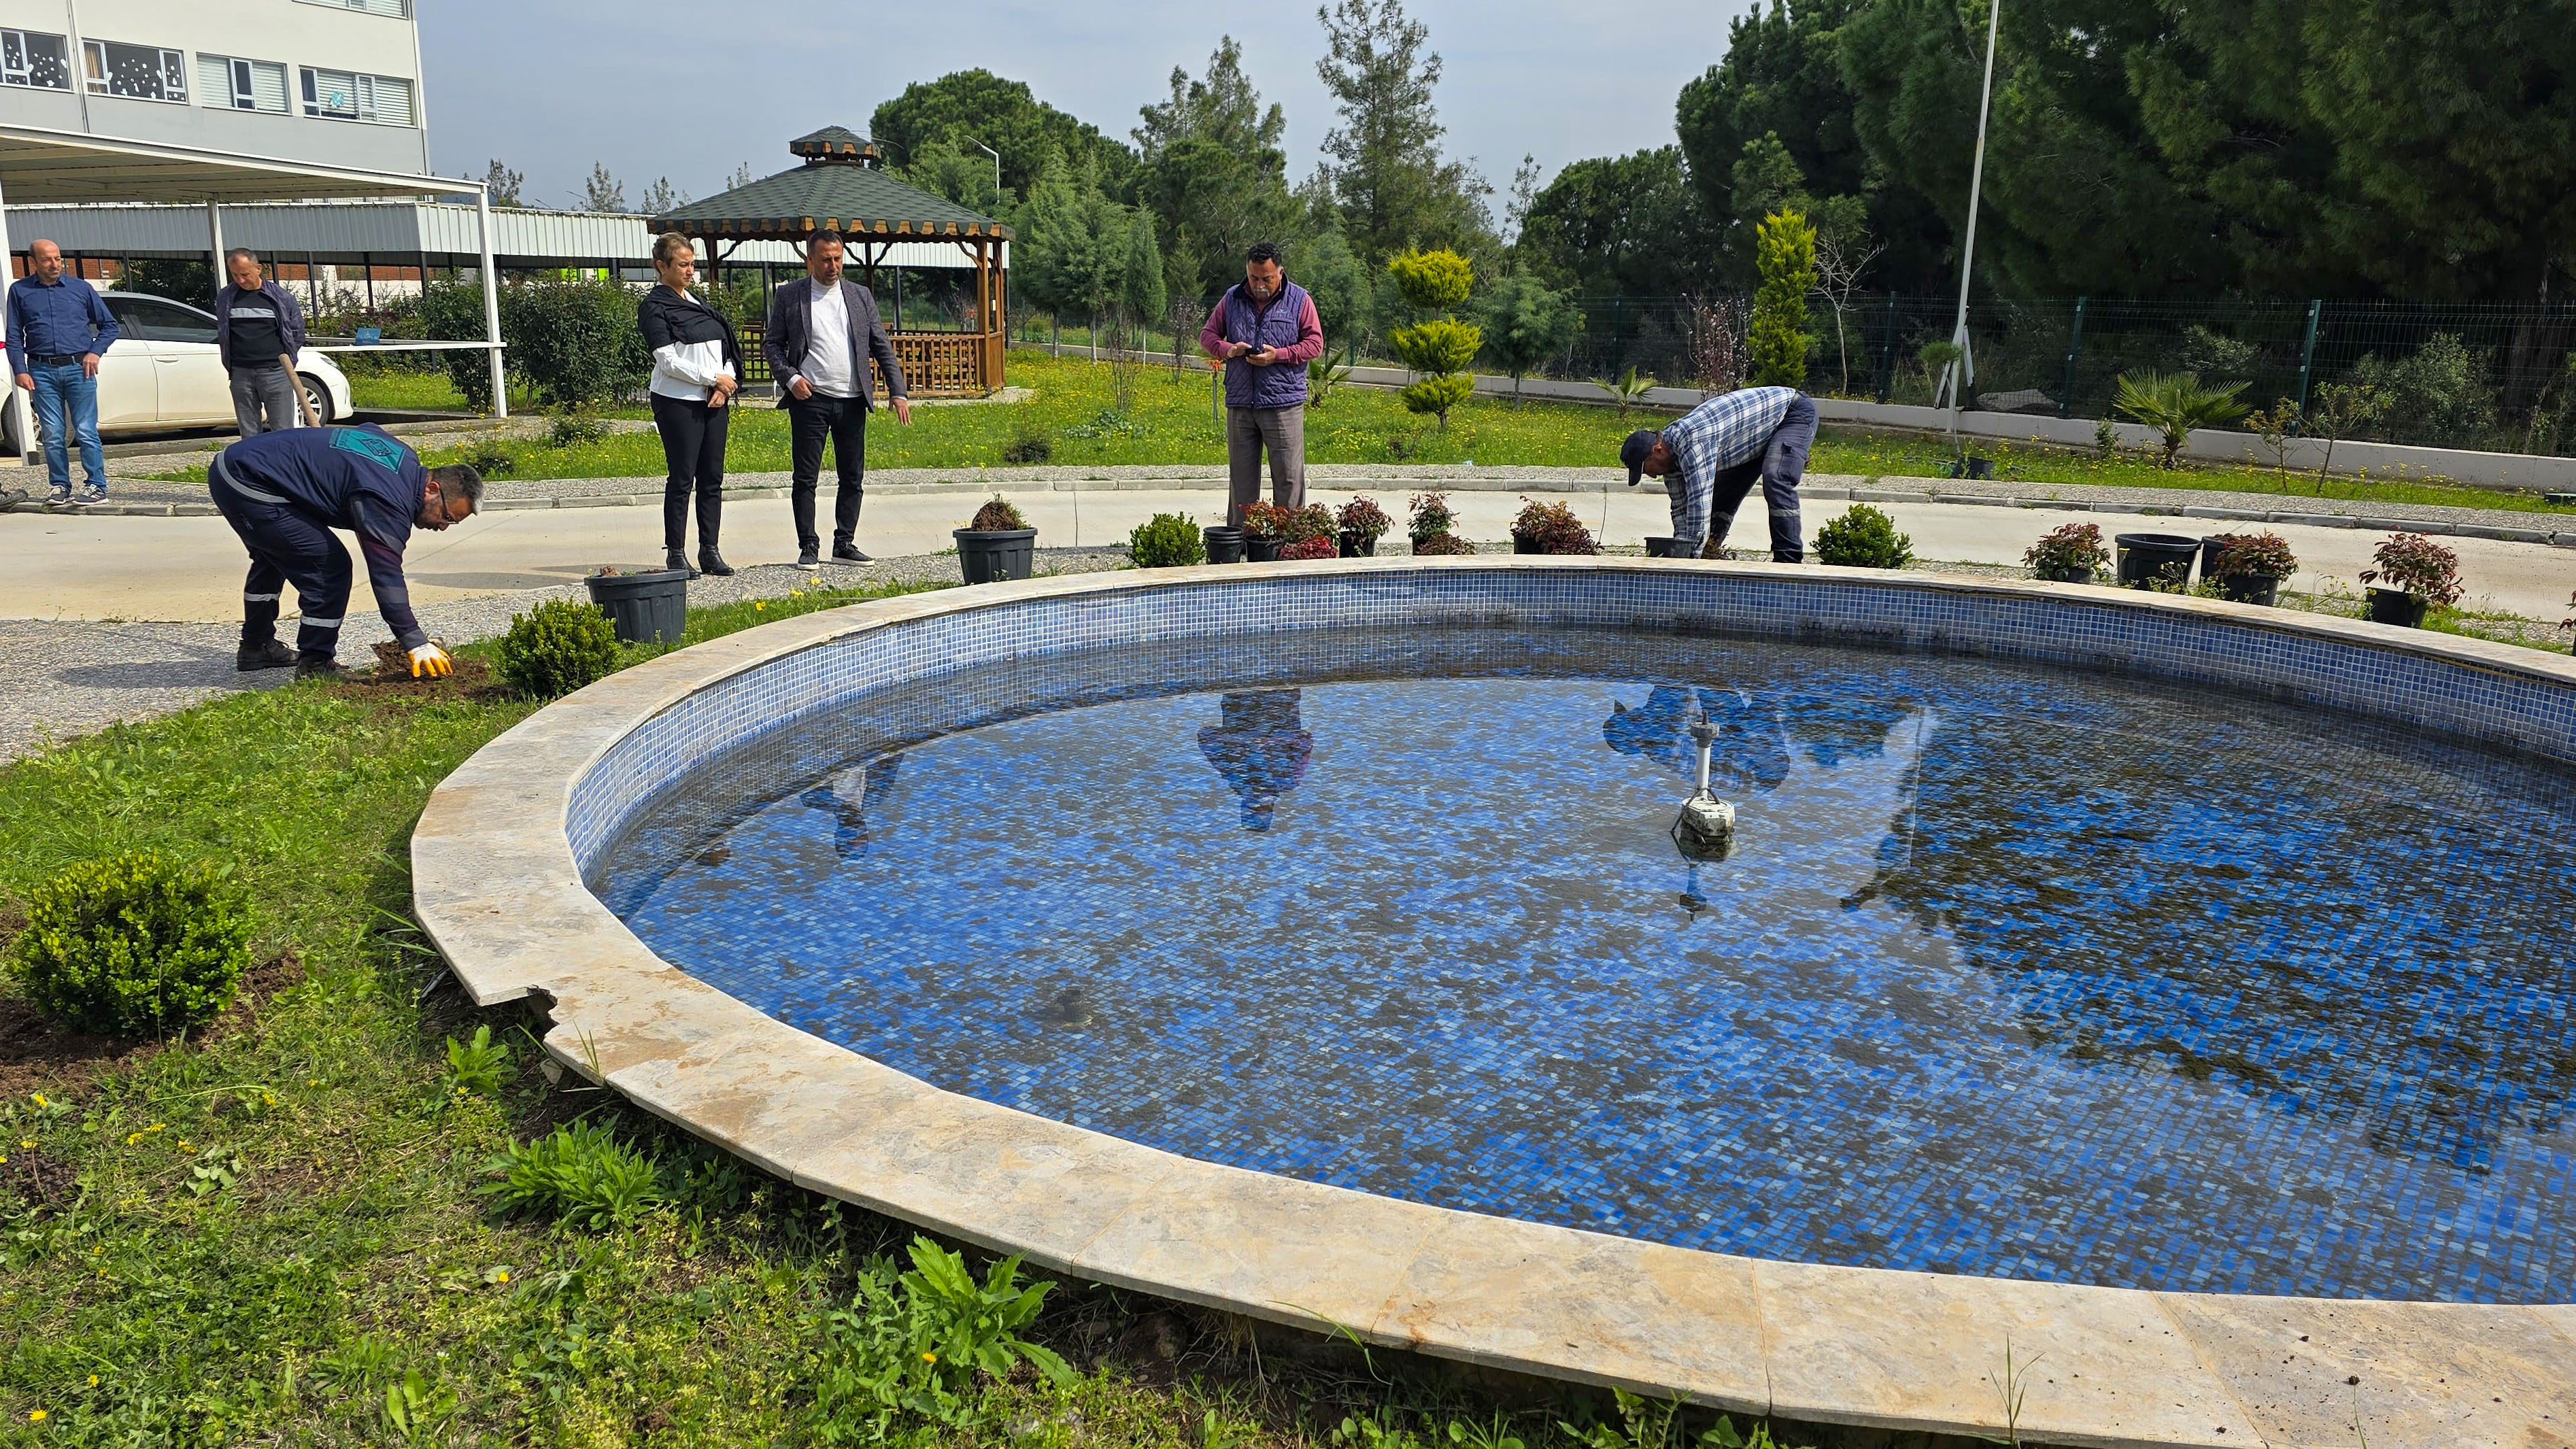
(164, 371)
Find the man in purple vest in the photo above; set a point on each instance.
(1265, 331)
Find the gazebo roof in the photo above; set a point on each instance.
(838, 187)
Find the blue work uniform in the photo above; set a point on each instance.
(284, 492)
(1727, 444)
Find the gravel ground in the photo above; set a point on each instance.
(143, 495)
(61, 680)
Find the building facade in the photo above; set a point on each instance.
(323, 82)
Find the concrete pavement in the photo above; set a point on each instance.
(69, 566)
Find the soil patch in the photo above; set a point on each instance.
(391, 680)
(37, 1179)
(36, 1055)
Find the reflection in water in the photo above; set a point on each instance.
(1260, 747)
(849, 793)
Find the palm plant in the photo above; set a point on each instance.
(1630, 389)
(2177, 404)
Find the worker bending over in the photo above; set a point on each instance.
(1711, 457)
(284, 492)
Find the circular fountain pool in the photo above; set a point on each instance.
(2016, 972)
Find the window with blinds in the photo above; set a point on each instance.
(243, 85)
(32, 58)
(341, 95)
(142, 72)
(394, 9)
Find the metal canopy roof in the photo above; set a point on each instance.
(38, 166)
(836, 188)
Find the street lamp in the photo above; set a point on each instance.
(1962, 371)
(997, 166)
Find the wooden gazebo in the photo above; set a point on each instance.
(841, 186)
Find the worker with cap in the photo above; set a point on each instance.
(284, 492)
(1711, 457)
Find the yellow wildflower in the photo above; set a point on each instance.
(93, 1381)
(35, 1416)
(39, 1099)
(930, 1358)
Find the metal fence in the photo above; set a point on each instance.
(2451, 375)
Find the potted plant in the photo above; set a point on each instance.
(1440, 545)
(1310, 548)
(1550, 528)
(1362, 524)
(2249, 567)
(1429, 516)
(996, 544)
(2419, 573)
(2071, 554)
(651, 607)
(1265, 530)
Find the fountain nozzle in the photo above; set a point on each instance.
(1706, 829)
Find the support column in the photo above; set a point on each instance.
(215, 238)
(491, 301)
(20, 418)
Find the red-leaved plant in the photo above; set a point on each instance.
(1553, 528)
(1267, 521)
(1311, 522)
(1311, 548)
(2067, 548)
(2254, 556)
(1363, 519)
(2418, 565)
(1431, 516)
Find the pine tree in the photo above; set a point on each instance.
(1785, 248)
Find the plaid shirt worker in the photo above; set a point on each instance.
(1723, 432)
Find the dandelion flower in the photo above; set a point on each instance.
(35, 1416)
(501, 1277)
(39, 1099)
(930, 1358)
(93, 1381)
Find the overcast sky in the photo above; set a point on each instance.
(657, 88)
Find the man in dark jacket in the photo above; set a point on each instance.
(284, 493)
(823, 341)
(1265, 331)
(259, 331)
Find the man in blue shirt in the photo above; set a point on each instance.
(284, 492)
(57, 329)
(1711, 458)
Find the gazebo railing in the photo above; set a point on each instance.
(935, 364)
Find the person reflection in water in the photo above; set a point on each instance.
(1752, 748)
(849, 794)
(1260, 747)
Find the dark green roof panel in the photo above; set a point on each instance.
(835, 187)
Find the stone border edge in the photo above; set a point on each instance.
(498, 889)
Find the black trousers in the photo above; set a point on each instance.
(844, 422)
(693, 444)
(286, 543)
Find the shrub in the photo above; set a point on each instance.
(1438, 396)
(1028, 443)
(2073, 546)
(1167, 541)
(575, 343)
(998, 515)
(576, 430)
(1431, 281)
(1362, 518)
(1440, 346)
(1552, 528)
(2254, 556)
(490, 459)
(1312, 521)
(556, 648)
(2418, 565)
(1777, 342)
(2176, 405)
(1442, 543)
(1268, 521)
(133, 945)
(1430, 514)
(578, 1174)
(1311, 548)
(1864, 538)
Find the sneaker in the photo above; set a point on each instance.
(266, 654)
(323, 669)
(712, 562)
(808, 557)
(848, 553)
(58, 497)
(91, 494)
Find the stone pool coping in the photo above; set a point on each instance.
(498, 887)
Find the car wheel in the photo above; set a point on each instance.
(317, 395)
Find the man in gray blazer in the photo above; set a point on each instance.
(823, 341)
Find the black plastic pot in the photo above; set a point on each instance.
(2071, 574)
(1262, 550)
(1523, 543)
(2146, 557)
(1665, 548)
(1224, 545)
(2249, 588)
(2398, 607)
(1971, 467)
(992, 556)
(649, 608)
(1358, 545)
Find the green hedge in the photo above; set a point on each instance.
(133, 945)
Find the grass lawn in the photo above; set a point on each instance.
(273, 1233)
(373, 385)
(1171, 420)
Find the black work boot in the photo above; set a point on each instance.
(266, 654)
(328, 670)
(712, 562)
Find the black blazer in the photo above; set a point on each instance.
(666, 319)
(784, 342)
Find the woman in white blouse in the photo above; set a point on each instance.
(697, 368)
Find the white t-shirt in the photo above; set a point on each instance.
(827, 344)
(688, 370)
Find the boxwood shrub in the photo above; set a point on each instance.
(1167, 540)
(556, 648)
(1864, 538)
(132, 945)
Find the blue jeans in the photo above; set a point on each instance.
(58, 386)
